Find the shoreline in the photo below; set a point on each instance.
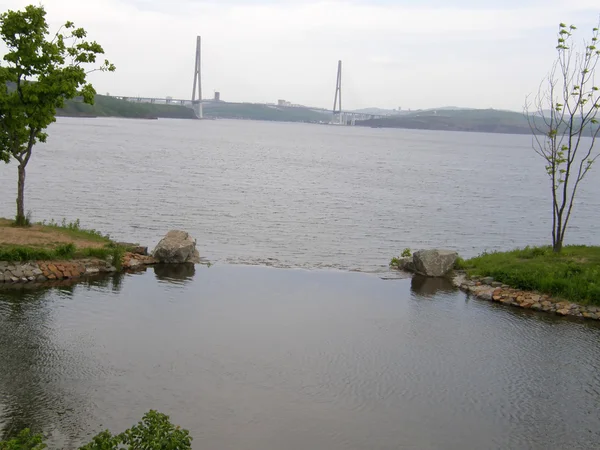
(487, 289)
(23, 272)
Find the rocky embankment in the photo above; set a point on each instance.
(488, 289)
(176, 247)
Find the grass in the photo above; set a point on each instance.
(56, 241)
(63, 252)
(74, 230)
(573, 274)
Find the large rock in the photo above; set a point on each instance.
(434, 263)
(177, 247)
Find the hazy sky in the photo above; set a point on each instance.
(396, 53)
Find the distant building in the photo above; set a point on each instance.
(217, 96)
(283, 103)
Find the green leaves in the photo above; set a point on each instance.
(43, 74)
(39, 74)
(24, 441)
(153, 432)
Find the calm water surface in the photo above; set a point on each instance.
(259, 358)
(296, 195)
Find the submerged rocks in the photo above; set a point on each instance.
(434, 263)
(177, 247)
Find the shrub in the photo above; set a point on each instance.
(154, 432)
(406, 253)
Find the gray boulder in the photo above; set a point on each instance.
(405, 264)
(177, 247)
(434, 263)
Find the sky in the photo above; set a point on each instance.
(396, 53)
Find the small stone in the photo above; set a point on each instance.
(496, 284)
(14, 279)
(487, 280)
(41, 278)
(536, 306)
(505, 286)
(51, 277)
(37, 272)
(485, 295)
(92, 270)
(18, 273)
(497, 298)
(546, 303)
(562, 312)
(31, 278)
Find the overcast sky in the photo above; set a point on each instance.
(396, 53)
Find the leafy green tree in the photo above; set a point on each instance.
(37, 74)
(563, 121)
(154, 432)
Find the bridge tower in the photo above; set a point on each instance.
(197, 103)
(338, 96)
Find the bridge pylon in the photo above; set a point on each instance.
(337, 102)
(197, 102)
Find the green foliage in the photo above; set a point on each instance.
(406, 253)
(395, 262)
(154, 432)
(65, 251)
(24, 441)
(20, 253)
(39, 72)
(565, 111)
(573, 274)
(25, 253)
(460, 264)
(74, 230)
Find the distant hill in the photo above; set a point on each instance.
(482, 120)
(378, 111)
(254, 111)
(105, 106)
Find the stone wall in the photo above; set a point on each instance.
(488, 289)
(42, 271)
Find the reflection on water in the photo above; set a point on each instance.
(430, 287)
(259, 359)
(174, 272)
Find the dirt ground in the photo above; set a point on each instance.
(40, 236)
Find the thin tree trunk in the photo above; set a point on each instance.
(21, 220)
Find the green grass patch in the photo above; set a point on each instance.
(64, 252)
(74, 230)
(573, 274)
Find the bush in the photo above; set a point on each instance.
(406, 253)
(154, 432)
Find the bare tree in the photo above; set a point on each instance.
(563, 122)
